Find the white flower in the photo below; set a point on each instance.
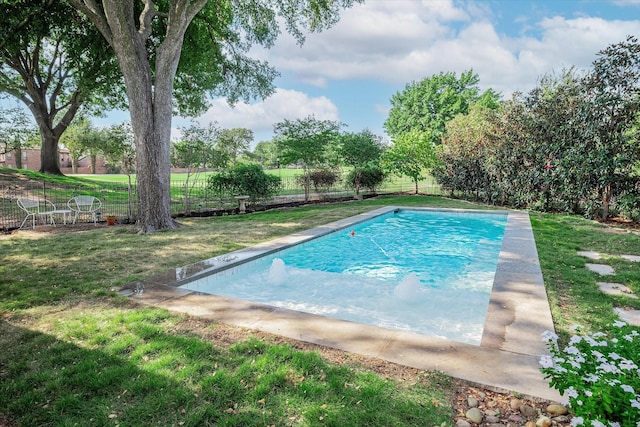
(548, 336)
(614, 356)
(577, 421)
(619, 324)
(614, 424)
(575, 339)
(546, 361)
(596, 423)
(588, 393)
(627, 364)
(571, 350)
(628, 388)
(571, 392)
(615, 341)
(591, 378)
(575, 327)
(635, 403)
(608, 367)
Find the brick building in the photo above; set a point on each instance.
(30, 160)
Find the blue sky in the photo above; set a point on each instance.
(349, 72)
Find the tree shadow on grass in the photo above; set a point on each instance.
(140, 375)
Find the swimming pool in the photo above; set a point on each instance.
(424, 271)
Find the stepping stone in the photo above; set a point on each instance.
(616, 289)
(633, 258)
(630, 316)
(589, 254)
(601, 269)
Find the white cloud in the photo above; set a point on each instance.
(400, 41)
(261, 116)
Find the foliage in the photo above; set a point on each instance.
(41, 65)
(306, 142)
(197, 148)
(359, 151)
(234, 142)
(411, 154)
(244, 179)
(599, 374)
(464, 153)
(16, 132)
(186, 51)
(266, 153)
(321, 179)
(428, 105)
(370, 176)
(570, 144)
(613, 90)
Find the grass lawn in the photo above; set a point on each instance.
(74, 352)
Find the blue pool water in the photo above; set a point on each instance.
(428, 272)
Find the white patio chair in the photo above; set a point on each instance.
(36, 208)
(84, 205)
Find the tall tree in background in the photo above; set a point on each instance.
(54, 61)
(428, 105)
(234, 142)
(614, 93)
(148, 39)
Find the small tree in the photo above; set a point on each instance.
(360, 150)
(306, 142)
(195, 150)
(120, 152)
(370, 176)
(411, 154)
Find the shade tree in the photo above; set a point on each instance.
(184, 51)
(55, 62)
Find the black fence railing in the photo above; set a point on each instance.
(187, 198)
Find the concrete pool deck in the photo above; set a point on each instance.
(506, 359)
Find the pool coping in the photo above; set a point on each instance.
(507, 358)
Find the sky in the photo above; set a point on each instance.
(350, 72)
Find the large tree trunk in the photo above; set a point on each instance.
(150, 102)
(49, 161)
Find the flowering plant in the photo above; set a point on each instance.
(599, 374)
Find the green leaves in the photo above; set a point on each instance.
(428, 105)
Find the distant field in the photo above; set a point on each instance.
(176, 177)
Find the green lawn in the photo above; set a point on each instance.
(75, 353)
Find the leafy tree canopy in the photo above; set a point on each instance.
(54, 61)
(428, 105)
(306, 141)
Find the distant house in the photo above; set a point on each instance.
(30, 158)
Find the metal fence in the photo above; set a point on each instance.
(187, 198)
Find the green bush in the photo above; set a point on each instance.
(244, 179)
(371, 177)
(322, 179)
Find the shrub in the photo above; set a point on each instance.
(244, 179)
(322, 179)
(599, 374)
(371, 177)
